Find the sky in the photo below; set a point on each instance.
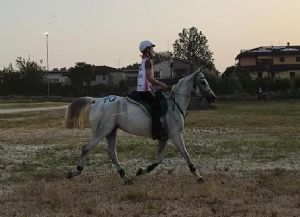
(108, 32)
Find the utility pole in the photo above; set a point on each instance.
(48, 83)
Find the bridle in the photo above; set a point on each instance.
(173, 95)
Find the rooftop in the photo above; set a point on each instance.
(104, 68)
(270, 51)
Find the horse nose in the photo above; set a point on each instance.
(214, 97)
(211, 97)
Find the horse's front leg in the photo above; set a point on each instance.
(179, 142)
(160, 157)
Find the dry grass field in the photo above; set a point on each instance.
(248, 152)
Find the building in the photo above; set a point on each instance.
(173, 68)
(107, 75)
(271, 61)
(58, 76)
(102, 75)
(131, 76)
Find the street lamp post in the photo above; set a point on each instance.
(47, 65)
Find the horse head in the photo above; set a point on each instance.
(202, 88)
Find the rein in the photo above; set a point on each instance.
(177, 105)
(173, 96)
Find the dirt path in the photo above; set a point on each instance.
(19, 110)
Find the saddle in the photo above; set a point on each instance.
(134, 98)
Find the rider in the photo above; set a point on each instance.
(144, 84)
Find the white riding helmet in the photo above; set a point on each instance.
(145, 44)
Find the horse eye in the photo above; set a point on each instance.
(203, 83)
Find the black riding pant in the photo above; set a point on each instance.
(148, 96)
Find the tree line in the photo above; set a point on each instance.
(28, 78)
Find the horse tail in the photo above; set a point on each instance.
(77, 113)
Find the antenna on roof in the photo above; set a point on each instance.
(119, 60)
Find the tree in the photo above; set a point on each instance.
(193, 47)
(245, 79)
(10, 80)
(243, 76)
(229, 85)
(27, 78)
(82, 72)
(296, 83)
(228, 71)
(133, 66)
(32, 75)
(162, 56)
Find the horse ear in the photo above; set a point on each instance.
(198, 70)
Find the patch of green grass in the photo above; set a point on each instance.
(259, 117)
(250, 147)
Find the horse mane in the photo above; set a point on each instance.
(178, 84)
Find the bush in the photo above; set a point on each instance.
(279, 84)
(296, 83)
(229, 85)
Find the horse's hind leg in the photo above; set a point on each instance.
(160, 156)
(179, 142)
(112, 152)
(84, 154)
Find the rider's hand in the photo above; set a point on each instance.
(165, 87)
(162, 85)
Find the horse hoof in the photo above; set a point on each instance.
(200, 179)
(70, 175)
(140, 172)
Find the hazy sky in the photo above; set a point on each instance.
(108, 32)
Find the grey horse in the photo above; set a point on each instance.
(106, 115)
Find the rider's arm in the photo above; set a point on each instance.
(150, 78)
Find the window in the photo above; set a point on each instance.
(292, 75)
(297, 59)
(259, 74)
(104, 77)
(265, 62)
(157, 74)
(281, 59)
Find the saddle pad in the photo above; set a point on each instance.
(148, 108)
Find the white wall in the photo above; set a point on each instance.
(164, 69)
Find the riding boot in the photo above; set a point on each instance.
(157, 130)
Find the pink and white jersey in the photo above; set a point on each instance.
(142, 82)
